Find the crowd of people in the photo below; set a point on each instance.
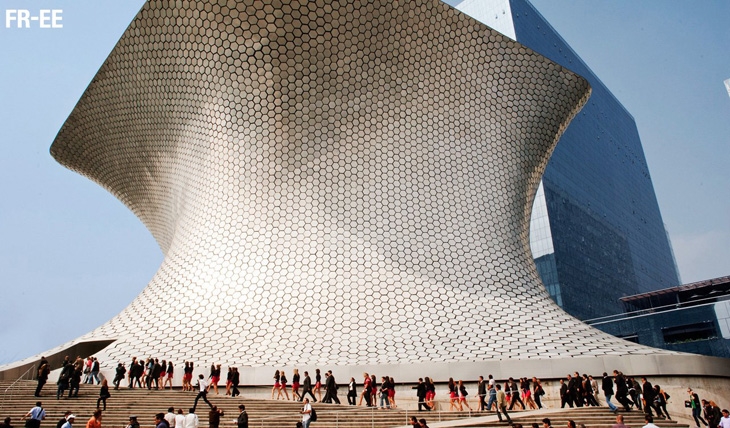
(71, 376)
(524, 393)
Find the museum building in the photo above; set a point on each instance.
(349, 185)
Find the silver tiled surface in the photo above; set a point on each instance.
(343, 183)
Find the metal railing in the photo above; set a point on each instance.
(657, 309)
(27, 375)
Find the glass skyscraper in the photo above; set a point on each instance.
(597, 234)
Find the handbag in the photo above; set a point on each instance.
(687, 404)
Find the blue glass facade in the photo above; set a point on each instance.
(608, 238)
(608, 234)
(692, 318)
(695, 330)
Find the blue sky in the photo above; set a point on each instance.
(72, 256)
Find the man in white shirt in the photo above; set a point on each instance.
(649, 419)
(179, 419)
(191, 419)
(725, 420)
(170, 417)
(306, 413)
(36, 415)
(203, 387)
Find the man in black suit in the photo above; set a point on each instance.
(421, 394)
(307, 387)
(607, 387)
(515, 396)
(330, 386)
(573, 390)
(648, 396)
(622, 389)
(565, 395)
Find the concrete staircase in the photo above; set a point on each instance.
(145, 403)
(265, 413)
(591, 417)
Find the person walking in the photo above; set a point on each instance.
(191, 419)
(74, 382)
(282, 386)
(492, 391)
(242, 420)
(43, 373)
(203, 392)
(421, 394)
(365, 394)
(69, 421)
(713, 414)
(352, 392)
(95, 420)
(277, 385)
(118, 375)
(502, 404)
(295, 385)
(170, 371)
(215, 377)
(538, 391)
(482, 393)
(430, 393)
(34, 416)
(235, 381)
(696, 407)
(307, 387)
(649, 419)
(725, 420)
(94, 375)
(103, 394)
(170, 417)
(63, 420)
(607, 387)
(331, 387)
(648, 396)
(179, 419)
(622, 389)
(660, 402)
(384, 390)
(306, 413)
(318, 384)
(453, 395)
(588, 391)
(214, 417)
(594, 388)
(514, 394)
(462, 393)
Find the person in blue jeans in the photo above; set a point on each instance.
(306, 413)
(607, 387)
(95, 372)
(492, 397)
(694, 401)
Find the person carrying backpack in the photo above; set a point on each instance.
(308, 414)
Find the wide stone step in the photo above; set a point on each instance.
(267, 413)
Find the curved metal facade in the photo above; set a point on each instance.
(331, 183)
